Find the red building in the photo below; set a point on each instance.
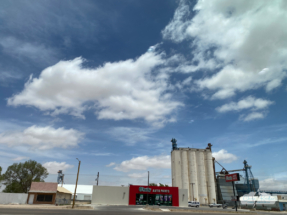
(140, 195)
(156, 195)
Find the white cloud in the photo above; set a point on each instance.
(20, 158)
(246, 39)
(246, 103)
(120, 90)
(145, 162)
(253, 116)
(42, 137)
(223, 156)
(33, 51)
(53, 167)
(138, 175)
(130, 135)
(273, 184)
(176, 29)
(111, 164)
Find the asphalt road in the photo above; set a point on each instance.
(102, 210)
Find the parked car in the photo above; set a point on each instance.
(193, 204)
(215, 205)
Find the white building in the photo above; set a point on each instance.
(193, 169)
(84, 192)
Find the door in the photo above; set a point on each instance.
(31, 199)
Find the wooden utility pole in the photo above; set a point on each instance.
(76, 182)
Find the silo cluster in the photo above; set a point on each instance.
(192, 169)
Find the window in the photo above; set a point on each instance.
(48, 198)
(40, 198)
(44, 198)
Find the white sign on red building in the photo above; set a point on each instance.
(232, 177)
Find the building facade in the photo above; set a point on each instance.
(42, 193)
(63, 196)
(140, 195)
(83, 193)
(193, 170)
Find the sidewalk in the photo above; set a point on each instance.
(46, 206)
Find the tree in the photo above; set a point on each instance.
(153, 184)
(161, 185)
(19, 176)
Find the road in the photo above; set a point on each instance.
(102, 210)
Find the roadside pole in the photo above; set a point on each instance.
(76, 183)
(147, 185)
(234, 195)
(232, 178)
(98, 178)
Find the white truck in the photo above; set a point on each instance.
(215, 205)
(193, 204)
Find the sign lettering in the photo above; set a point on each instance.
(142, 189)
(232, 177)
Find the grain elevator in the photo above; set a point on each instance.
(193, 169)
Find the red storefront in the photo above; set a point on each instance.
(153, 195)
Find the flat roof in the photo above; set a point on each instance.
(81, 189)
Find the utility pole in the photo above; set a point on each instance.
(76, 182)
(234, 195)
(147, 185)
(98, 176)
(62, 180)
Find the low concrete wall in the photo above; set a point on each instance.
(13, 198)
(80, 196)
(110, 195)
(183, 197)
(63, 199)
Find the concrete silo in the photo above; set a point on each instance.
(192, 169)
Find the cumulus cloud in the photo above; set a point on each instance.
(246, 103)
(111, 164)
(223, 156)
(145, 162)
(120, 90)
(253, 116)
(42, 137)
(245, 39)
(273, 184)
(53, 167)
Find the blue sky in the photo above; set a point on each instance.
(77, 81)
